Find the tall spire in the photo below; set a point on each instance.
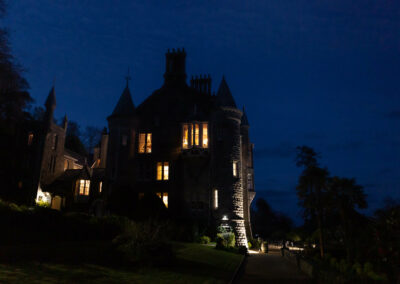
(224, 95)
(125, 106)
(51, 99)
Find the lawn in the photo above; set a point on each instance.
(195, 263)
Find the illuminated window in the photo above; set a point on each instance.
(30, 139)
(164, 197)
(235, 169)
(148, 143)
(205, 135)
(100, 186)
(145, 142)
(84, 185)
(162, 171)
(215, 198)
(66, 165)
(194, 135)
(185, 136)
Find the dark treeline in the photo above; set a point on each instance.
(332, 219)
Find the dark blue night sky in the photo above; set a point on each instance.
(321, 73)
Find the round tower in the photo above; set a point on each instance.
(228, 163)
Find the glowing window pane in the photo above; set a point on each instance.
(159, 171)
(142, 142)
(166, 171)
(30, 139)
(235, 169)
(205, 135)
(87, 186)
(215, 198)
(191, 134)
(81, 187)
(185, 136)
(196, 134)
(100, 186)
(148, 143)
(165, 199)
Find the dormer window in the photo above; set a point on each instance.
(195, 135)
(145, 142)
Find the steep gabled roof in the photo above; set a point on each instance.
(224, 95)
(245, 121)
(51, 99)
(125, 104)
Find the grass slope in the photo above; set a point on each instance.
(195, 263)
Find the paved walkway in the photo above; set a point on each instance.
(271, 268)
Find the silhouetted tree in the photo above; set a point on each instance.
(311, 188)
(14, 100)
(269, 224)
(72, 140)
(344, 195)
(91, 137)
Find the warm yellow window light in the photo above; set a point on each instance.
(196, 134)
(162, 171)
(30, 139)
(148, 143)
(145, 142)
(191, 135)
(185, 136)
(142, 142)
(215, 198)
(165, 199)
(235, 169)
(159, 171)
(205, 135)
(84, 187)
(100, 186)
(166, 171)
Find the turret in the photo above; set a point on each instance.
(229, 162)
(121, 138)
(175, 67)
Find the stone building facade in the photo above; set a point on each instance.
(186, 145)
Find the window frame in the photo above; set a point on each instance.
(148, 139)
(195, 135)
(162, 171)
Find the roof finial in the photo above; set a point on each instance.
(128, 77)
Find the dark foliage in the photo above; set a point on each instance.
(269, 224)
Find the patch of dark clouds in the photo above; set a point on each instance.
(283, 150)
(393, 114)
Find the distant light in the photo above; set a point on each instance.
(225, 218)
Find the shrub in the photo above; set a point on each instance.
(204, 240)
(226, 240)
(357, 267)
(255, 244)
(43, 204)
(249, 244)
(145, 243)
